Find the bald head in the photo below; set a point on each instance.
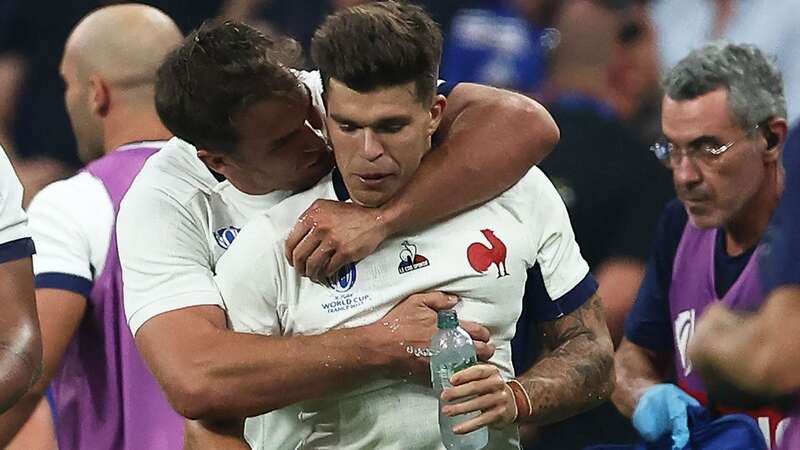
(122, 43)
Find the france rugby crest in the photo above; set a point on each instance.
(225, 236)
(344, 279)
(410, 259)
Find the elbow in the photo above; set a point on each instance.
(193, 395)
(606, 378)
(534, 125)
(609, 384)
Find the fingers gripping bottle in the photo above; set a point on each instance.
(452, 350)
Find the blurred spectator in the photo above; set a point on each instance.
(613, 187)
(604, 65)
(499, 42)
(683, 25)
(300, 19)
(33, 121)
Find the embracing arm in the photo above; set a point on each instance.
(490, 138)
(20, 341)
(209, 372)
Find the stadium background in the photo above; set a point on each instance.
(595, 64)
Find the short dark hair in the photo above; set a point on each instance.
(219, 70)
(379, 44)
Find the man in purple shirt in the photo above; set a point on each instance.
(724, 121)
(104, 396)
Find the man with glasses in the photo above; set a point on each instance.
(723, 118)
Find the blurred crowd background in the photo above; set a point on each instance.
(595, 65)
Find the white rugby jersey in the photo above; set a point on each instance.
(15, 238)
(481, 255)
(175, 222)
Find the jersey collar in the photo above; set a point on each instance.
(338, 186)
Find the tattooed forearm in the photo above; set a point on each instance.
(577, 369)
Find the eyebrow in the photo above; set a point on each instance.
(392, 120)
(705, 139)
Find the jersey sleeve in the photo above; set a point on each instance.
(248, 277)
(649, 324)
(15, 238)
(166, 264)
(559, 282)
(65, 218)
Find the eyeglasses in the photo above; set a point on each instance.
(705, 153)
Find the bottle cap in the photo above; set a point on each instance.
(447, 319)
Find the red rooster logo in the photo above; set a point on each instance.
(480, 257)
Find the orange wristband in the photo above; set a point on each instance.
(521, 399)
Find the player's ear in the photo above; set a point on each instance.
(437, 113)
(774, 131)
(99, 95)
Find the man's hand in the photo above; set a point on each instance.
(330, 234)
(662, 411)
(492, 396)
(716, 323)
(405, 334)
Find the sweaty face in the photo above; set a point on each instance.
(379, 137)
(716, 190)
(87, 127)
(280, 146)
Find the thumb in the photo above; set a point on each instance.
(680, 426)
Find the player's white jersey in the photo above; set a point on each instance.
(15, 241)
(481, 255)
(175, 222)
(71, 222)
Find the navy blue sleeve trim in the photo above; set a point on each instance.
(64, 281)
(16, 249)
(543, 308)
(445, 88)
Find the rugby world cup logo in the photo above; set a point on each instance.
(225, 236)
(344, 279)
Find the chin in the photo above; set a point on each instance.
(706, 221)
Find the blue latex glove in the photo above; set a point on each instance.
(662, 411)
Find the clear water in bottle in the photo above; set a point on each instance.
(453, 350)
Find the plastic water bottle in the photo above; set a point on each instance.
(453, 350)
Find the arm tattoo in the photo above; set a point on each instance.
(575, 372)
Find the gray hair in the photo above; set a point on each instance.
(754, 83)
